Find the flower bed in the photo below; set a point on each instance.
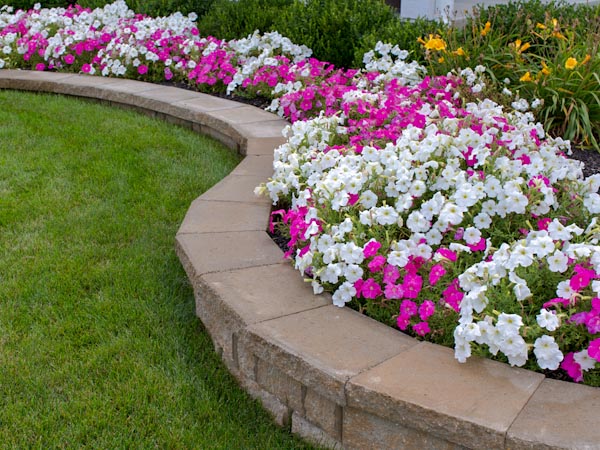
(407, 196)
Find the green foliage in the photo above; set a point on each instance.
(235, 19)
(515, 17)
(333, 28)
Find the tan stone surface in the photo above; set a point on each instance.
(237, 188)
(364, 431)
(218, 252)
(280, 412)
(285, 388)
(324, 347)
(270, 128)
(261, 293)
(206, 103)
(260, 166)
(261, 146)
(324, 413)
(472, 404)
(30, 80)
(243, 115)
(228, 138)
(206, 216)
(559, 415)
(313, 434)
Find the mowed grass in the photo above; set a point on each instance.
(99, 344)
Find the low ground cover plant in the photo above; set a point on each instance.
(411, 196)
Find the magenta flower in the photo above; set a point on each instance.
(390, 274)
(582, 278)
(377, 263)
(592, 323)
(69, 59)
(452, 295)
(572, 367)
(371, 248)
(142, 69)
(437, 271)
(412, 285)
(403, 322)
(421, 328)
(479, 247)
(408, 308)
(86, 68)
(40, 66)
(426, 310)
(393, 291)
(371, 289)
(446, 253)
(594, 349)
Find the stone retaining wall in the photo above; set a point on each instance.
(338, 378)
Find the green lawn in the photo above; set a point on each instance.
(99, 344)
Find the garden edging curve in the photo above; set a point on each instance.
(336, 377)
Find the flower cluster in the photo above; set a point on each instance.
(411, 200)
(409, 196)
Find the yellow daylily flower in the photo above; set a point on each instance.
(545, 69)
(485, 30)
(526, 77)
(586, 59)
(570, 63)
(521, 48)
(459, 52)
(441, 59)
(541, 26)
(433, 43)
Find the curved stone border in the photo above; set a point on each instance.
(337, 377)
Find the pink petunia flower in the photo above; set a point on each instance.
(412, 285)
(594, 349)
(377, 263)
(421, 328)
(371, 248)
(572, 367)
(426, 310)
(371, 289)
(436, 272)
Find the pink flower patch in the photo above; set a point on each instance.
(142, 69)
(412, 285)
(572, 367)
(594, 349)
(436, 272)
(408, 308)
(421, 328)
(371, 249)
(426, 310)
(377, 263)
(371, 289)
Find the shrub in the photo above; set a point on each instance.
(231, 19)
(334, 29)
